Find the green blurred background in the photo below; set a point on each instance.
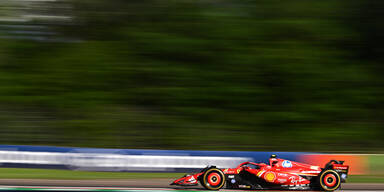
(298, 75)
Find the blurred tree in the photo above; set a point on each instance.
(223, 75)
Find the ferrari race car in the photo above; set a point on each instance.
(279, 174)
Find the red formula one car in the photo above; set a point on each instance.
(279, 174)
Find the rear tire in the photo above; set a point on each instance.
(213, 179)
(329, 180)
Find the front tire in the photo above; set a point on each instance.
(329, 180)
(213, 179)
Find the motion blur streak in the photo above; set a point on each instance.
(115, 162)
(267, 75)
(358, 163)
(34, 19)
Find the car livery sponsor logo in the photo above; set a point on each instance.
(260, 173)
(287, 164)
(282, 174)
(340, 167)
(270, 176)
(313, 172)
(281, 180)
(192, 179)
(315, 167)
(229, 171)
(296, 180)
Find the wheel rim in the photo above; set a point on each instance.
(214, 179)
(330, 180)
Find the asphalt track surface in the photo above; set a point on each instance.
(135, 185)
(117, 189)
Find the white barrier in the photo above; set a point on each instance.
(118, 162)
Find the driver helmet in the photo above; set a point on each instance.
(273, 160)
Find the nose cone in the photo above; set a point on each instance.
(178, 181)
(187, 180)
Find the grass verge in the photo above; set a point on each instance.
(365, 179)
(17, 173)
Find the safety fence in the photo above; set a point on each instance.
(94, 159)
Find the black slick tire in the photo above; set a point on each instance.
(329, 180)
(213, 179)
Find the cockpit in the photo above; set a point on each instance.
(273, 160)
